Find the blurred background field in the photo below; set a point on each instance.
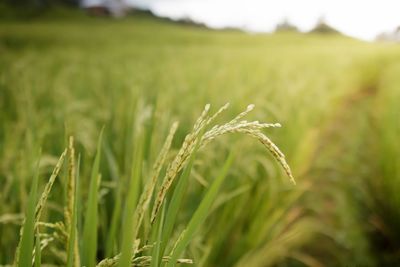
(336, 97)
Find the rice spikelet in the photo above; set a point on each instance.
(48, 187)
(146, 195)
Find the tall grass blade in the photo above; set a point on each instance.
(89, 242)
(115, 222)
(38, 252)
(128, 226)
(116, 211)
(158, 241)
(28, 228)
(200, 214)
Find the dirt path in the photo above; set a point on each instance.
(341, 163)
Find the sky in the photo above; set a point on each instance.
(357, 18)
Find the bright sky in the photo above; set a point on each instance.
(359, 18)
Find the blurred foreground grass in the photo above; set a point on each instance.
(337, 99)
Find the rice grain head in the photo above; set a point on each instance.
(236, 125)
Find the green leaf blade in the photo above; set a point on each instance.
(28, 229)
(201, 213)
(89, 242)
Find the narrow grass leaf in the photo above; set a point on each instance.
(28, 228)
(157, 255)
(200, 214)
(115, 222)
(89, 243)
(116, 211)
(128, 226)
(38, 252)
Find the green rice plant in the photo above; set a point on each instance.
(184, 157)
(124, 76)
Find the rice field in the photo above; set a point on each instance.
(142, 142)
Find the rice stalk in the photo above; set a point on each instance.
(147, 193)
(236, 125)
(176, 200)
(69, 208)
(49, 186)
(73, 258)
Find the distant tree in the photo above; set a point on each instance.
(115, 8)
(286, 26)
(323, 27)
(39, 4)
